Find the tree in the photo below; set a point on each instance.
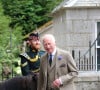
(9, 38)
(29, 14)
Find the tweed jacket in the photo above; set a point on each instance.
(66, 70)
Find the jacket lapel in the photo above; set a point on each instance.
(59, 61)
(45, 63)
(57, 64)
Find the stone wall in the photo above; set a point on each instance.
(88, 81)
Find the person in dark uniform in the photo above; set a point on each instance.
(30, 61)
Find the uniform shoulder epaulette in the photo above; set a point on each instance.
(25, 55)
(28, 58)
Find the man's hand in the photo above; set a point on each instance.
(56, 83)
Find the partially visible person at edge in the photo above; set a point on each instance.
(60, 75)
(30, 61)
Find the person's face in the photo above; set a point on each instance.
(35, 43)
(49, 45)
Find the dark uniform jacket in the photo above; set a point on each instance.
(30, 62)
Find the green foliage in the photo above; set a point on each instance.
(9, 39)
(22, 17)
(29, 14)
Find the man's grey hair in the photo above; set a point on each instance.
(48, 36)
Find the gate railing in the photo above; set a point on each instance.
(88, 60)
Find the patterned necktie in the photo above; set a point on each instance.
(50, 59)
